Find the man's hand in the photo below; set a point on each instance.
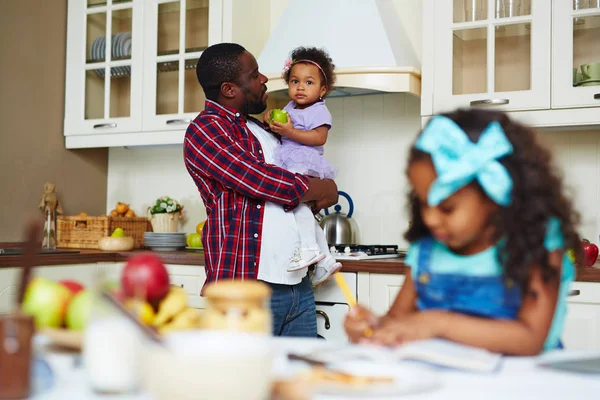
(322, 191)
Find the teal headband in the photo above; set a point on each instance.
(458, 161)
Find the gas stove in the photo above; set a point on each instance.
(362, 251)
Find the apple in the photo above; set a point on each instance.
(74, 286)
(79, 310)
(118, 232)
(47, 302)
(145, 277)
(590, 253)
(194, 240)
(279, 116)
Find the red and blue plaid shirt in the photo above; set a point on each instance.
(225, 161)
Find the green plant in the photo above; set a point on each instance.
(165, 204)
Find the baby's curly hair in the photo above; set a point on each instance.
(321, 57)
(537, 195)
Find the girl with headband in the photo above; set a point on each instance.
(488, 240)
(309, 74)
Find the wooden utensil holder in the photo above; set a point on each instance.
(16, 333)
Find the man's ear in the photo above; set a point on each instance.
(228, 90)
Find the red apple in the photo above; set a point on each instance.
(47, 302)
(145, 277)
(590, 253)
(74, 286)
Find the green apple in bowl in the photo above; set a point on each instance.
(47, 302)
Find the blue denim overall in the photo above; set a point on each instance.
(483, 296)
(494, 297)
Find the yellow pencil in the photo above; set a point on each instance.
(339, 279)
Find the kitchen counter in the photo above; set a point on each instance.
(184, 257)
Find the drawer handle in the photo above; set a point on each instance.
(574, 292)
(597, 96)
(105, 126)
(324, 315)
(179, 121)
(490, 102)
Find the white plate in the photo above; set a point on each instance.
(407, 378)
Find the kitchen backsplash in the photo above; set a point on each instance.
(368, 144)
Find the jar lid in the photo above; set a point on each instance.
(237, 289)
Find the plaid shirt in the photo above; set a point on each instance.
(225, 161)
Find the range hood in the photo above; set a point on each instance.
(365, 39)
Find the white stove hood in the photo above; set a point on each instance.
(365, 39)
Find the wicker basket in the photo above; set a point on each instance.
(84, 232)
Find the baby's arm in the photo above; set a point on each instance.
(313, 137)
(524, 336)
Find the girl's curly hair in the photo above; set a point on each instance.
(537, 195)
(321, 57)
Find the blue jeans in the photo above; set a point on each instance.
(293, 308)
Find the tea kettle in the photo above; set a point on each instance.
(339, 228)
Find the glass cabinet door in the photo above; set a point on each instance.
(180, 31)
(104, 76)
(576, 53)
(492, 53)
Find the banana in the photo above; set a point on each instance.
(174, 303)
(187, 319)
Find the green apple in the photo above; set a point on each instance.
(47, 302)
(78, 313)
(279, 116)
(118, 232)
(194, 240)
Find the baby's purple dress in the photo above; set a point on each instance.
(299, 158)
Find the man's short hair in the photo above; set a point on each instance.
(217, 64)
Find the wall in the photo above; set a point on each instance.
(32, 81)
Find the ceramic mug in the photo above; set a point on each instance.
(577, 76)
(590, 71)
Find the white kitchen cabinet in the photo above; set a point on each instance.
(582, 325)
(383, 290)
(9, 278)
(575, 42)
(490, 53)
(139, 88)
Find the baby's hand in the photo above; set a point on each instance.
(415, 326)
(359, 323)
(267, 117)
(283, 129)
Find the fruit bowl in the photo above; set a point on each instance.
(116, 243)
(64, 337)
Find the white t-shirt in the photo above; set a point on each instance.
(279, 232)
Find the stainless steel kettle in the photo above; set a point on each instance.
(339, 228)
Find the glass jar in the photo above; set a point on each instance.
(235, 305)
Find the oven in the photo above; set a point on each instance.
(332, 308)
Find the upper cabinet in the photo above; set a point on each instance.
(525, 57)
(140, 86)
(576, 54)
(494, 53)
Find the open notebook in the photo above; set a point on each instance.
(437, 352)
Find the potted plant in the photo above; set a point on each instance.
(165, 214)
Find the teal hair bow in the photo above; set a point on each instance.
(458, 161)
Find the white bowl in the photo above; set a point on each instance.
(209, 365)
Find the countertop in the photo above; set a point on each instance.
(186, 257)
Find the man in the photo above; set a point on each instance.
(248, 233)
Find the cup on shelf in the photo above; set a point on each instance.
(577, 77)
(590, 71)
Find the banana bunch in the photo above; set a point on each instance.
(174, 314)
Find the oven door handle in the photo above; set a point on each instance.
(324, 315)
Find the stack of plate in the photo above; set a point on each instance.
(164, 241)
(120, 48)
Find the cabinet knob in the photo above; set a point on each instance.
(597, 96)
(490, 102)
(574, 292)
(179, 122)
(324, 315)
(105, 126)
